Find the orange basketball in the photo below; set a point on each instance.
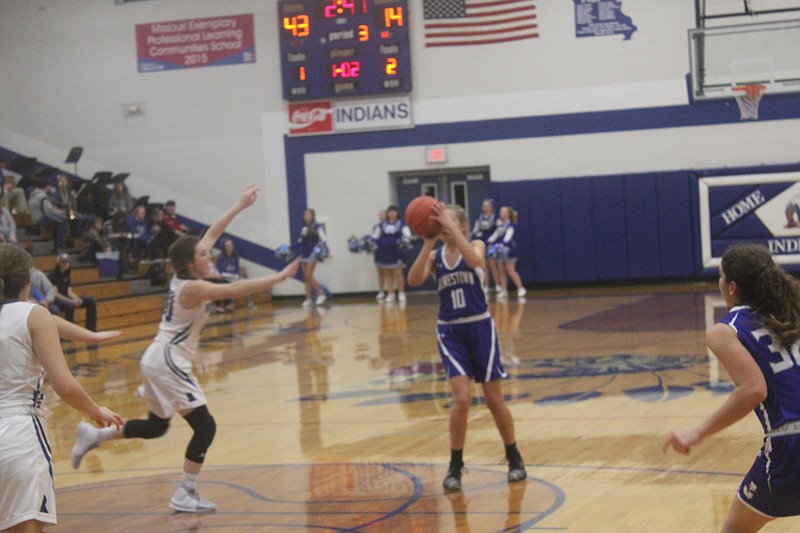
(418, 218)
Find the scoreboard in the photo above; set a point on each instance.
(340, 48)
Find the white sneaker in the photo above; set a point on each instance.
(306, 302)
(401, 297)
(521, 292)
(380, 296)
(189, 501)
(321, 299)
(501, 295)
(390, 299)
(88, 438)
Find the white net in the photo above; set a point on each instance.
(748, 97)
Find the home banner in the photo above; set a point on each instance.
(759, 208)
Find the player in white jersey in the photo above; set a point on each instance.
(757, 342)
(30, 348)
(168, 383)
(467, 336)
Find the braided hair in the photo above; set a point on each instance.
(766, 288)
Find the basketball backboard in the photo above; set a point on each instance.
(745, 42)
(726, 12)
(766, 53)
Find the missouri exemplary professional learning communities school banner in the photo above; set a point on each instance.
(192, 43)
(759, 208)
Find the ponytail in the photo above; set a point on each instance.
(766, 288)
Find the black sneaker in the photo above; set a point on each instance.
(516, 470)
(452, 481)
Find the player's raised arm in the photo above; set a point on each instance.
(423, 264)
(246, 199)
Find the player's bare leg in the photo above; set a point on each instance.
(742, 519)
(493, 393)
(459, 413)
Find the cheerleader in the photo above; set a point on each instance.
(507, 261)
(484, 227)
(381, 281)
(387, 236)
(311, 236)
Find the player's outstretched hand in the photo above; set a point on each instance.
(681, 441)
(102, 336)
(107, 417)
(248, 197)
(290, 270)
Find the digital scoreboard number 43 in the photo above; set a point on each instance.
(339, 48)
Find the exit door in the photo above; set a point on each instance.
(467, 187)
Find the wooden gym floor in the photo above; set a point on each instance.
(335, 419)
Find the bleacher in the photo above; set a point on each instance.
(121, 302)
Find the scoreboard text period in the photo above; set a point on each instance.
(337, 48)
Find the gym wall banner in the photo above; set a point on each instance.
(756, 208)
(193, 43)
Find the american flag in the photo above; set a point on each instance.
(468, 22)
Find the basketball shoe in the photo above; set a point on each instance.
(521, 292)
(516, 469)
(189, 501)
(452, 481)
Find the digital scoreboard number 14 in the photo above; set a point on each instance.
(340, 48)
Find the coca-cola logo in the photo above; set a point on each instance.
(304, 118)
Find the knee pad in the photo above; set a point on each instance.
(204, 428)
(151, 428)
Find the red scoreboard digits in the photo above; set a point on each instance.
(339, 48)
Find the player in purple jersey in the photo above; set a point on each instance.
(758, 343)
(467, 337)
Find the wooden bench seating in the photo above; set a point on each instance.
(125, 303)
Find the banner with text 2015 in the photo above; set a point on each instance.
(192, 43)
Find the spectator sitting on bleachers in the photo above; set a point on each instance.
(115, 229)
(66, 196)
(43, 292)
(140, 241)
(120, 200)
(162, 234)
(8, 228)
(66, 298)
(227, 264)
(94, 240)
(46, 213)
(11, 196)
(171, 220)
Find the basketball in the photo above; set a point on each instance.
(418, 218)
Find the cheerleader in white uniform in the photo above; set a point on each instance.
(507, 264)
(484, 228)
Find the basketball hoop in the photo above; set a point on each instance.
(748, 98)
